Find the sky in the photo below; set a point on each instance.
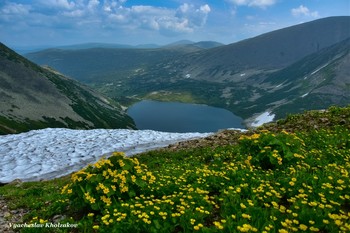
(31, 23)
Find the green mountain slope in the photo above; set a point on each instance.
(33, 97)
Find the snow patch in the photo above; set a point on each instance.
(279, 85)
(304, 95)
(51, 153)
(319, 69)
(262, 119)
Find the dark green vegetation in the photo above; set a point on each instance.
(33, 97)
(287, 176)
(286, 71)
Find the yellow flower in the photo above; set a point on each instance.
(302, 227)
(340, 181)
(42, 221)
(246, 216)
(218, 225)
(325, 221)
(197, 227)
(96, 227)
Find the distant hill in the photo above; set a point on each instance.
(106, 64)
(207, 44)
(188, 43)
(33, 97)
(261, 74)
(107, 45)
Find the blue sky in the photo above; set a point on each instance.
(61, 22)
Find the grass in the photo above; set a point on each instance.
(289, 176)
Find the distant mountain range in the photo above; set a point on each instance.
(33, 97)
(31, 49)
(302, 67)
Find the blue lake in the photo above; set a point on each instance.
(182, 117)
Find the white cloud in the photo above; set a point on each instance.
(93, 4)
(205, 9)
(15, 9)
(98, 18)
(62, 4)
(194, 17)
(255, 3)
(304, 11)
(185, 19)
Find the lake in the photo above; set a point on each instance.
(182, 117)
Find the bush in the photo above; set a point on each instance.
(108, 180)
(269, 150)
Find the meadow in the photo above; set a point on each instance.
(288, 176)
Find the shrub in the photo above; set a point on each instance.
(269, 150)
(108, 180)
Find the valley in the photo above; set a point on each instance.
(285, 71)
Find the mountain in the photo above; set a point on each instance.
(106, 64)
(34, 97)
(207, 44)
(267, 52)
(261, 74)
(107, 45)
(317, 81)
(188, 43)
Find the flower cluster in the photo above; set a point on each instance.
(280, 182)
(115, 178)
(269, 150)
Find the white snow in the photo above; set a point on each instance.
(314, 72)
(50, 153)
(279, 85)
(304, 95)
(262, 119)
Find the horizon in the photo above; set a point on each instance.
(49, 23)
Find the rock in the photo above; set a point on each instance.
(57, 218)
(7, 215)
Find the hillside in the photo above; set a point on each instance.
(261, 74)
(33, 97)
(106, 64)
(318, 80)
(267, 52)
(287, 176)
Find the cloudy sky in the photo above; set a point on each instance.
(62, 22)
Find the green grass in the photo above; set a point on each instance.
(289, 176)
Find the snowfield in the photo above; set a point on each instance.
(51, 153)
(262, 119)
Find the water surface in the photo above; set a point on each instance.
(182, 117)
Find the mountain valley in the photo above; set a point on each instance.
(285, 71)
